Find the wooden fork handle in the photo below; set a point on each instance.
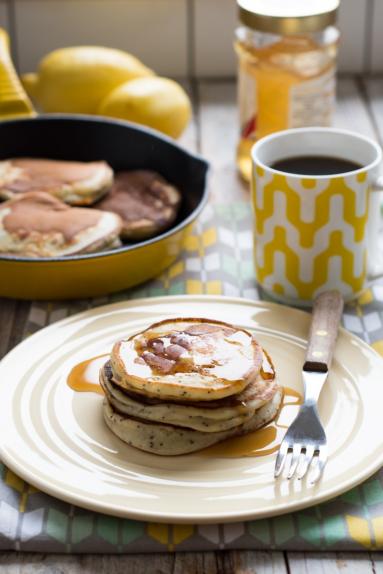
(326, 315)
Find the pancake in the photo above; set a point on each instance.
(145, 201)
(75, 182)
(36, 224)
(169, 440)
(188, 360)
(209, 416)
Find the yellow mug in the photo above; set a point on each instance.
(315, 232)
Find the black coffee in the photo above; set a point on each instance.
(315, 165)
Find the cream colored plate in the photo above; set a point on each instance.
(56, 438)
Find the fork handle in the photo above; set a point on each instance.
(326, 315)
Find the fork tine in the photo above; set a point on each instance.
(321, 462)
(297, 449)
(281, 458)
(308, 457)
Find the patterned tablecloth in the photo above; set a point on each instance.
(217, 260)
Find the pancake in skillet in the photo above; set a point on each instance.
(75, 182)
(36, 224)
(145, 201)
(187, 359)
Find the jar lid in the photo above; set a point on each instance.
(288, 17)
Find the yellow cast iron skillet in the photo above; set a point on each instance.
(87, 138)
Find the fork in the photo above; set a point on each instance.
(305, 439)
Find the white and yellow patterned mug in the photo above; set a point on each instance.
(314, 233)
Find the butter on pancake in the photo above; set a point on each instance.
(188, 359)
(145, 201)
(36, 224)
(75, 182)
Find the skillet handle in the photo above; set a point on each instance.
(14, 102)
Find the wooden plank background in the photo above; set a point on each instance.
(4, 22)
(182, 38)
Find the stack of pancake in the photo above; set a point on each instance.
(185, 384)
(54, 208)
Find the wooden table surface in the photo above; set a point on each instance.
(213, 133)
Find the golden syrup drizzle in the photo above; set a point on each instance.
(216, 353)
(84, 377)
(265, 440)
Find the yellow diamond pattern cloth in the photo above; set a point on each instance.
(216, 260)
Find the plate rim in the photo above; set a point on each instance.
(166, 517)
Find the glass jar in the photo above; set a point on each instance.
(287, 63)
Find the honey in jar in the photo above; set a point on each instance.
(286, 73)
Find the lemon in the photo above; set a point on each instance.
(76, 79)
(153, 101)
(30, 83)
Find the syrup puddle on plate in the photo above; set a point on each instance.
(84, 377)
(265, 440)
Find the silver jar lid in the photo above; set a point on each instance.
(288, 17)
